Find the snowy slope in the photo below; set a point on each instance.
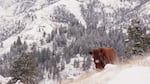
(134, 75)
(136, 72)
(74, 8)
(3, 12)
(35, 21)
(130, 75)
(35, 16)
(145, 9)
(4, 80)
(39, 16)
(119, 4)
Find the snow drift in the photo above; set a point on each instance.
(4, 80)
(134, 75)
(135, 72)
(116, 75)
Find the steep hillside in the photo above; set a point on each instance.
(136, 71)
(34, 21)
(61, 32)
(37, 14)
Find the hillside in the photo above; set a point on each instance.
(134, 72)
(60, 33)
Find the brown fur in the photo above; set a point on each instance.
(103, 56)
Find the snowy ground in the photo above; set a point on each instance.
(134, 72)
(4, 80)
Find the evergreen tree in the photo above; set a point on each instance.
(44, 34)
(136, 33)
(146, 40)
(25, 46)
(1, 45)
(61, 14)
(76, 64)
(19, 41)
(86, 63)
(25, 69)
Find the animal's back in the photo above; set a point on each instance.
(110, 53)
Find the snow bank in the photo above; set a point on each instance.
(118, 74)
(18, 82)
(134, 75)
(4, 80)
(98, 77)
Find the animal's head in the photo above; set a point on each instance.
(97, 54)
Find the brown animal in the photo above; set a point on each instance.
(103, 56)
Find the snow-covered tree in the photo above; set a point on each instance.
(25, 69)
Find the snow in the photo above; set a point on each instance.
(108, 10)
(115, 75)
(2, 11)
(145, 9)
(46, 80)
(134, 75)
(110, 75)
(41, 21)
(113, 3)
(18, 82)
(7, 43)
(6, 3)
(72, 5)
(118, 4)
(74, 8)
(136, 72)
(99, 77)
(70, 72)
(4, 80)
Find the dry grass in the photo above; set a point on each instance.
(140, 60)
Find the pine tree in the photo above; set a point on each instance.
(25, 46)
(76, 63)
(19, 41)
(86, 63)
(1, 45)
(44, 34)
(136, 34)
(25, 69)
